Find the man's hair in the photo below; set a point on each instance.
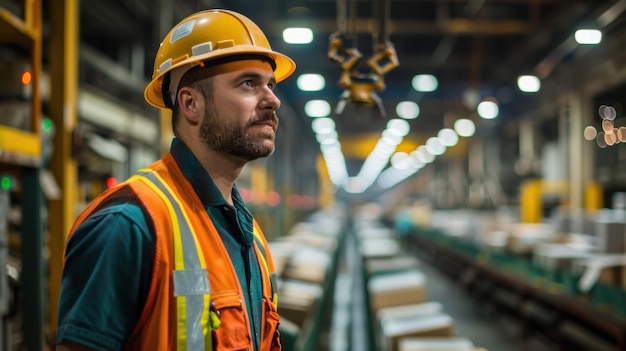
(196, 78)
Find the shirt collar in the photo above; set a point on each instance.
(200, 179)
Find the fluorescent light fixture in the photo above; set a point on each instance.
(464, 127)
(588, 36)
(425, 83)
(323, 125)
(317, 108)
(311, 82)
(399, 160)
(528, 83)
(398, 126)
(327, 138)
(297, 35)
(448, 137)
(488, 109)
(407, 109)
(434, 146)
(423, 155)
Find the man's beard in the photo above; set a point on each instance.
(233, 138)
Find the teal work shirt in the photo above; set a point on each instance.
(109, 262)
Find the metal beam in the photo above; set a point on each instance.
(64, 20)
(457, 26)
(112, 69)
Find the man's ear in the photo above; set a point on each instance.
(189, 102)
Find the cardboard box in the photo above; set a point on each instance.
(281, 253)
(296, 300)
(305, 292)
(523, 237)
(294, 309)
(380, 247)
(438, 325)
(395, 289)
(390, 264)
(409, 311)
(313, 274)
(455, 343)
(611, 236)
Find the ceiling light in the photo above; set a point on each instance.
(607, 112)
(590, 133)
(327, 138)
(435, 147)
(488, 109)
(323, 125)
(297, 35)
(399, 160)
(423, 155)
(407, 110)
(425, 83)
(464, 127)
(354, 186)
(448, 137)
(588, 36)
(311, 82)
(390, 138)
(317, 108)
(398, 126)
(528, 83)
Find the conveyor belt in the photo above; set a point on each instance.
(560, 320)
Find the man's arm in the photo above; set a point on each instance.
(106, 278)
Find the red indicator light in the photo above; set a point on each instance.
(111, 182)
(26, 77)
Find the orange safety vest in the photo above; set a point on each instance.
(187, 292)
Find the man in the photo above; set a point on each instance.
(171, 259)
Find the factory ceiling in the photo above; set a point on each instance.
(476, 49)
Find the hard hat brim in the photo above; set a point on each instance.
(285, 66)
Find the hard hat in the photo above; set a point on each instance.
(206, 36)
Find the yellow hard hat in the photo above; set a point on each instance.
(205, 36)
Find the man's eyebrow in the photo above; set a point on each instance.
(254, 76)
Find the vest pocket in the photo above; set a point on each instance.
(232, 333)
(271, 336)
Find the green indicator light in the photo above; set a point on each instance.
(46, 124)
(5, 183)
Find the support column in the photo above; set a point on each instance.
(63, 110)
(579, 170)
(527, 149)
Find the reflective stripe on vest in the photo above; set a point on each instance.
(190, 276)
(266, 267)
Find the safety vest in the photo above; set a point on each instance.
(195, 299)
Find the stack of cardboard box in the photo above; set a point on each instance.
(396, 289)
(304, 260)
(437, 344)
(404, 317)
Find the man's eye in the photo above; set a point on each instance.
(248, 83)
(271, 85)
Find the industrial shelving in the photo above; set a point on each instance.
(20, 161)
